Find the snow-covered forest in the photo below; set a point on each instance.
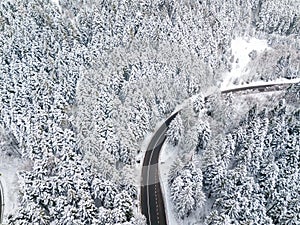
(249, 173)
(83, 82)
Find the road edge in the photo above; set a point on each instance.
(162, 186)
(1, 203)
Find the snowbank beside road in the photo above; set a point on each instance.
(8, 171)
(167, 156)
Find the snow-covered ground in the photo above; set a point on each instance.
(240, 50)
(8, 178)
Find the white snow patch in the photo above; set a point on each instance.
(56, 2)
(241, 49)
(167, 156)
(8, 171)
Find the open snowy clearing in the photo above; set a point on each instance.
(240, 50)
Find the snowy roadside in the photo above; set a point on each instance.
(144, 146)
(8, 178)
(167, 156)
(139, 165)
(147, 140)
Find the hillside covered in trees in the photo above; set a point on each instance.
(82, 82)
(245, 174)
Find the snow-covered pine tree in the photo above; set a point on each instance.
(198, 103)
(186, 189)
(175, 131)
(203, 134)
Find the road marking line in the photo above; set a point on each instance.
(149, 165)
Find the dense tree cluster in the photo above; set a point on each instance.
(185, 182)
(271, 18)
(198, 103)
(64, 190)
(252, 176)
(42, 59)
(277, 22)
(82, 82)
(249, 171)
(282, 61)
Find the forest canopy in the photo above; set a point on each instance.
(82, 82)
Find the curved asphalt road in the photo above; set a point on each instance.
(151, 197)
(259, 88)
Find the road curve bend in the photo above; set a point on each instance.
(152, 201)
(151, 196)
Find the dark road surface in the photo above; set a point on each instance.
(151, 195)
(152, 201)
(259, 88)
